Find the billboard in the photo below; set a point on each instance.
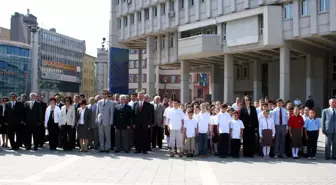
(118, 75)
(60, 65)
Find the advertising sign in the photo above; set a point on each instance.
(60, 77)
(60, 65)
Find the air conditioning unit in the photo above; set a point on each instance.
(171, 14)
(129, 1)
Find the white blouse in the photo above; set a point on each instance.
(266, 124)
(57, 114)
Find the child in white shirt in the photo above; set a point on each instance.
(203, 120)
(236, 133)
(190, 130)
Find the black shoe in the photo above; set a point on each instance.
(145, 152)
(101, 151)
(334, 158)
(117, 151)
(127, 151)
(160, 147)
(327, 158)
(222, 157)
(107, 151)
(35, 148)
(29, 148)
(137, 152)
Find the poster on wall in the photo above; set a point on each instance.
(118, 74)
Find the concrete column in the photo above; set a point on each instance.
(216, 85)
(228, 79)
(167, 47)
(332, 14)
(157, 79)
(220, 8)
(208, 8)
(186, 11)
(177, 12)
(313, 17)
(197, 10)
(185, 69)
(256, 80)
(150, 65)
(143, 20)
(192, 87)
(308, 75)
(151, 23)
(136, 23)
(284, 73)
(158, 50)
(296, 16)
(233, 5)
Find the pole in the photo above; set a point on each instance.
(34, 85)
(140, 71)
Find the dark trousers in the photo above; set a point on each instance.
(32, 130)
(202, 144)
(22, 133)
(157, 136)
(67, 137)
(41, 129)
(54, 131)
(249, 142)
(121, 140)
(75, 140)
(94, 138)
(141, 138)
(14, 130)
(235, 147)
(112, 137)
(312, 143)
(224, 144)
(149, 139)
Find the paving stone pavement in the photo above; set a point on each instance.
(74, 168)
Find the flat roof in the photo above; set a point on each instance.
(14, 43)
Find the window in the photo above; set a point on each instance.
(224, 31)
(146, 13)
(125, 21)
(172, 79)
(288, 11)
(171, 5)
(163, 8)
(200, 92)
(246, 72)
(181, 4)
(334, 68)
(191, 3)
(202, 1)
(171, 42)
(261, 24)
(139, 16)
(156, 43)
(132, 18)
(163, 42)
(155, 11)
(238, 73)
(131, 64)
(305, 7)
(119, 23)
(324, 5)
(208, 32)
(131, 78)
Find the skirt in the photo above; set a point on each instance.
(296, 137)
(3, 128)
(267, 139)
(215, 137)
(83, 132)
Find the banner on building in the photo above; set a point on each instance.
(60, 65)
(118, 74)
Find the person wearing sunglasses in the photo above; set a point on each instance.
(67, 124)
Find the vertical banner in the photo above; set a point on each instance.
(118, 75)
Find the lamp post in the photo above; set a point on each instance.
(108, 59)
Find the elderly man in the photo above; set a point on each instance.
(329, 129)
(157, 128)
(122, 123)
(104, 119)
(94, 135)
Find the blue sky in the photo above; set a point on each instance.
(82, 19)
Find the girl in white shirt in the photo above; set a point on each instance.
(266, 132)
(203, 119)
(214, 131)
(236, 133)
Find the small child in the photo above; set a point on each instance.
(295, 125)
(236, 133)
(203, 120)
(312, 125)
(190, 130)
(214, 131)
(266, 132)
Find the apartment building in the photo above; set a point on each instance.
(274, 48)
(88, 77)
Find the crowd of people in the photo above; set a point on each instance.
(116, 122)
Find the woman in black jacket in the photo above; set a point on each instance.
(248, 114)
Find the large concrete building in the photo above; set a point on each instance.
(20, 31)
(278, 48)
(88, 77)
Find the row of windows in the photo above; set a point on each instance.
(134, 64)
(46, 36)
(305, 7)
(171, 79)
(134, 78)
(61, 51)
(163, 42)
(12, 50)
(136, 51)
(242, 72)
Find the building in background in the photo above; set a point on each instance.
(88, 78)
(60, 63)
(20, 31)
(101, 70)
(4, 34)
(14, 67)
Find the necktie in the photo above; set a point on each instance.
(104, 102)
(280, 117)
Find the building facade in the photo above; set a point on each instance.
(271, 48)
(88, 77)
(4, 34)
(14, 67)
(20, 31)
(60, 63)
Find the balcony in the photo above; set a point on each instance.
(199, 46)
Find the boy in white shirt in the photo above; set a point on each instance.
(223, 130)
(203, 120)
(165, 115)
(190, 130)
(236, 133)
(175, 124)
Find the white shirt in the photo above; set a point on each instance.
(131, 103)
(224, 122)
(190, 125)
(236, 126)
(195, 115)
(235, 106)
(81, 119)
(3, 109)
(266, 124)
(203, 120)
(175, 118)
(259, 110)
(297, 102)
(165, 114)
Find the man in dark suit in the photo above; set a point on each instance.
(43, 108)
(122, 123)
(142, 116)
(14, 115)
(58, 100)
(33, 122)
(151, 123)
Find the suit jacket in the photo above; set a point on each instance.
(14, 115)
(60, 105)
(92, 109)
(87, 117)
(328, 124)
(158, 114)
(69, 117)
(122, 116)
(33, 113)
(145, 116)
(2, 120)
(105, 112)
(250, 120)
(43, 107)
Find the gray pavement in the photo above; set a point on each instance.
(73, 168)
